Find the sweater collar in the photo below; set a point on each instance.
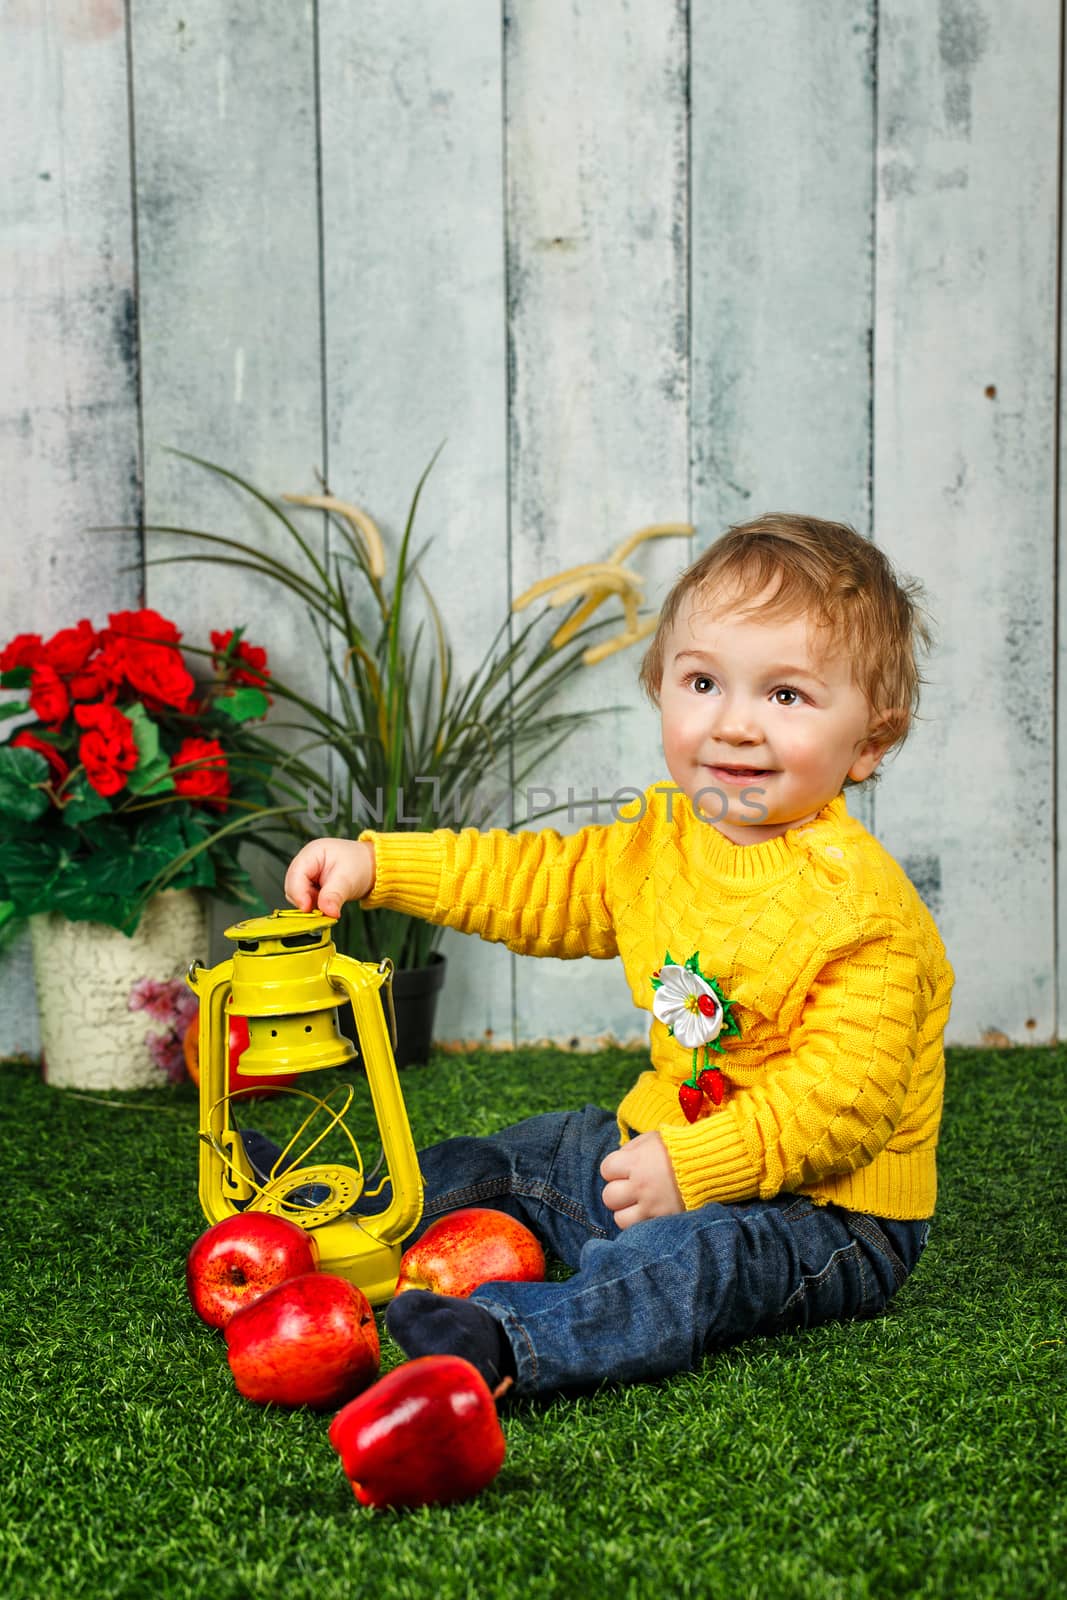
(753, 863)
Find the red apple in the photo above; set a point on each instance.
(310, 1342)
(237, 1045)
(242, 1257)
(425, 1434)
(469, 1247)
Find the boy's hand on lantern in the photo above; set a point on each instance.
(639, 1181)
(328, 872)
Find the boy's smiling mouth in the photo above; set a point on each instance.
(734, 774)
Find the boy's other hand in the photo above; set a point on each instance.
(327, 872)
(639, 1181)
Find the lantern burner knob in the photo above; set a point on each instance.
(279, 1197)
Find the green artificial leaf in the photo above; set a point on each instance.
(85, 803)
(151, 775)
(16, 708)
(22, 775)
(145, 732)
(27, 863)
(157, 841)
(16, 678)
(35, 873)
(75, 898)
(243, 704)
(72, 897)
(200, 871)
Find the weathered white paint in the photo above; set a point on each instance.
(416, 336)
(596, 187)
(68, 337)
(964, 478)
(227, 213)
(781, 219)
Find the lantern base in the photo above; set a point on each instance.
(351, 1252)
(345, 1244)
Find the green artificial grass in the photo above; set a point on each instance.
(918, 1454)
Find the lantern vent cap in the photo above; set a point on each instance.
(305, 928)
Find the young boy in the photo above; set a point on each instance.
(776, 1166)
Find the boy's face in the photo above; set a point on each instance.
(758, 722)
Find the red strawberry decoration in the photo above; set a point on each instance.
(712, 1083)
(691, 1100)
(697, 1015)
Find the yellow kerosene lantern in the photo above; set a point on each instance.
(287, 978)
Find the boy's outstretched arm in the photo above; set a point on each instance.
(541, 894)
(328, 872)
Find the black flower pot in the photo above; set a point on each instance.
(415, 992)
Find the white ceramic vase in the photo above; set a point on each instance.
(102, 1025)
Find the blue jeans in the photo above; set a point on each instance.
(650, 1300)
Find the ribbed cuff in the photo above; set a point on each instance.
(710, 1161)
(407, 872)
(900, 1186)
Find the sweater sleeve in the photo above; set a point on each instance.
(541, 894)
(828, 1106)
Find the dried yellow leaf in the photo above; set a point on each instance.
(608, 647)
(655, 530)
(363, 526)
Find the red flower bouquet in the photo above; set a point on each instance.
(130, 774)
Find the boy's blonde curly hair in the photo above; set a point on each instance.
(842, 581)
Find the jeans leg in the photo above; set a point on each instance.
(544, 1171)
(652, 1299)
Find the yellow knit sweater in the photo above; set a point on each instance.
(837, 976)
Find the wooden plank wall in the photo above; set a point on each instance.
(631, 263)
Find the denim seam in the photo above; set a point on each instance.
(510, 1322)
(498, 1187)
(815, 1278)
(863, 1225)
(531, 1352)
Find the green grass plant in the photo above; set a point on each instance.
(414, 743)
(919, 1454)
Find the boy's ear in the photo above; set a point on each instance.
(881, 734)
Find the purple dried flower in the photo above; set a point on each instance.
(156, 997)
(170, 1001)
(166, 1051)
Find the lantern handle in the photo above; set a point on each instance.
(368, 1012)
(385, 966)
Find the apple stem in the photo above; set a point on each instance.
(502, 1387)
